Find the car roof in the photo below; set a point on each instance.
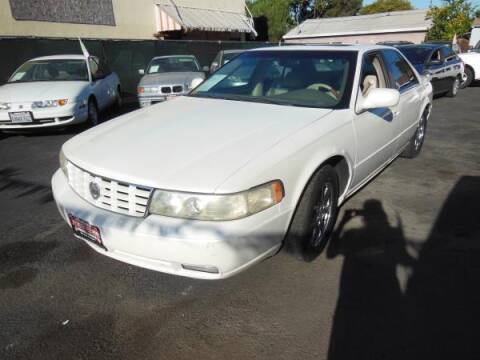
(424, 45)
(169, 56)
(60, 57)
(324, 47)
(234, 51)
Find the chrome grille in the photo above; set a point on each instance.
(115, 196)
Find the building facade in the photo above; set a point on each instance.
(126, 19)
(408, 25)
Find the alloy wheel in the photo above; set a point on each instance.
(323, 212)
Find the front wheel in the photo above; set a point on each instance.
(315, 216)
(454, 87)
(416, 142)
(467, 78)
(93, 117)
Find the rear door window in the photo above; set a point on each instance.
(400, 71)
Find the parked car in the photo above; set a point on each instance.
(471, 62)
(167, 77)
(223, 57)
(56, 91)
(394, 43)
(211, 183)
(438, 61)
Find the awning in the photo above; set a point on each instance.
(174, 18)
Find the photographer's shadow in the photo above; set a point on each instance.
(369, 320)
(401, 299)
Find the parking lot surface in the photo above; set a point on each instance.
(399, 280)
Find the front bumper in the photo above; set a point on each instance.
(168, 245)
(46, 118)
(145, 101)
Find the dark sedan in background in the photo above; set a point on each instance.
(438, 61)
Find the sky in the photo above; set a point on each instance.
(424, 4)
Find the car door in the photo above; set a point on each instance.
(436, 67)
(374, 128)
(404, 79)
(452, 63)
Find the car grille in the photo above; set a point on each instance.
(172, 89)
(113, 195)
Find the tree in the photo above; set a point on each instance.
(278, 16)
(307, 9)
(454, 17)
(380, 6)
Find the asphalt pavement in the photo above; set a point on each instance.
(399, 280)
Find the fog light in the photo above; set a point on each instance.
(201, 268)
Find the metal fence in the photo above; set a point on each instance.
(125, 57)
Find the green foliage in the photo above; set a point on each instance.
(307, 9)
(454, 17)
(277, 13)
(380, 6)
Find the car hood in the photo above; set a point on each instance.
(40, 90)
(188, 144)
(171, 78)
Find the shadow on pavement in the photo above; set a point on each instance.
(9, 179)
(403, 299)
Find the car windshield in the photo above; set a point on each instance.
(320, 79)
(51, 70)
(416, 55)
(173, 64)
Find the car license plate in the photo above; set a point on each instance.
(86, 231)
(21, 117)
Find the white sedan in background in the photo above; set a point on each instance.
(211, 183)
(56, 91)
(471, 73)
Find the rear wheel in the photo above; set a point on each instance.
(315, 216)
(467, 78)
(416, 142)
(452, 92)
(93, 116)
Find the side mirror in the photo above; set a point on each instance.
(214, 66)
(205, 69)
(379, 98)
(196, 82)
(427, 75)
(141, 71)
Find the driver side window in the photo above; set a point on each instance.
(373, 75)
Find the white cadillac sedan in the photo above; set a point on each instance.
(260, 155)
(56, 91)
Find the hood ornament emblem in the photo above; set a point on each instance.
(94, 190)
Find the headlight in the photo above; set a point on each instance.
(148, 89)
(4, 106)
(216, 207)
(49, 103)
(63, 163)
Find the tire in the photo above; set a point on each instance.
(315, 216)
(93, 115)
(118, 99)
(468, 78)
(453, 91)
(415, 144)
